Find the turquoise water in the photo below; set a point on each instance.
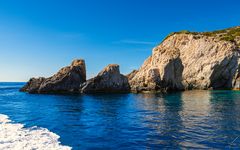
(192, 119)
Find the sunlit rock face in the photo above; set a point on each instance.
(72, 79)
(183, 61)
(67, 80)
(131, 74)
(189, 61)
(109, 80)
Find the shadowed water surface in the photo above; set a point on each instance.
(192, 119)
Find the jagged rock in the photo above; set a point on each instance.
(183, 61)
(67, 80)
(109, 80)
(131, 74)
(236, 80)
(190, 61)
(32, 85)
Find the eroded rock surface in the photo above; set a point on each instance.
(183, 61)
(32, 85)
(67, 80)
(131, 74)
(109, 80)
(189, 61)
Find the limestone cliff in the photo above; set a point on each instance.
(185, 60)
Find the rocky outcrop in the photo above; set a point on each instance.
(183, 61)
(67, 80)
(32, 85)
(72, 79)
(109, 80)
(131, 74)
(186, 61)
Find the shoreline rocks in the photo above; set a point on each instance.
(66, 80)
(183, 61)
(32, 85)
(109, 80)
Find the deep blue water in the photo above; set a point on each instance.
(192, 119)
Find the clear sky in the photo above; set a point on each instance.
(38, 37)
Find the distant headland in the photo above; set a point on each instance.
(183, 61)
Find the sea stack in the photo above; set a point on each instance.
(109, 80)
(67, 80)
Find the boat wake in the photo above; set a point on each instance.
(14, 136)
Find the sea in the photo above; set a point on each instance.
(180, 120)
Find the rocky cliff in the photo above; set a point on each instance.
(190, 60)
(183, 61)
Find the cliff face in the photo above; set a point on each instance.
(189, 61)
(183, 61)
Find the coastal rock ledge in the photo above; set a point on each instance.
(183, 61)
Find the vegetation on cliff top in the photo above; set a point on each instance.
(230, 34)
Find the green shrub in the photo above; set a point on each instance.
(228, 38)
(171, 34)
(184, 32)
(229, 34)
(208, 33)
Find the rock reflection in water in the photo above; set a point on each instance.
(191, 119)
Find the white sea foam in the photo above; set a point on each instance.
(14, 136)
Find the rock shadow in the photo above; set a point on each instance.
(223, 73)
(172, 78)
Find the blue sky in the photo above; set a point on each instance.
(37, 38)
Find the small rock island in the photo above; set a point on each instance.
(183, 61)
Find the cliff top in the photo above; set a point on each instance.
(229, 34)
